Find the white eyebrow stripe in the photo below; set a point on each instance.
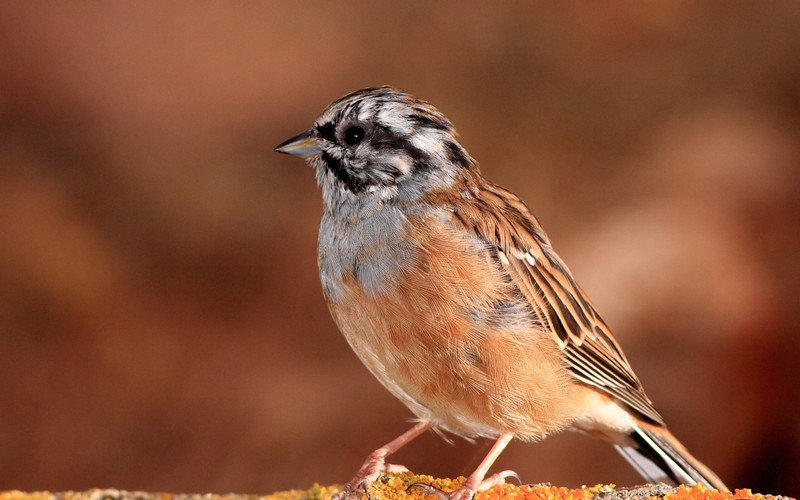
(365, 110)
(395, 116)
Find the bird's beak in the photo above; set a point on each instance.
(303, 144)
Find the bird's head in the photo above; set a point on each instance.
(380, 142)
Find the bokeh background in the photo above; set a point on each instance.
(161, 322)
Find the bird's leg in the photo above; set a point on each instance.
(376, 461)
(476, 482)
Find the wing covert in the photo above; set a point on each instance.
(522, 248)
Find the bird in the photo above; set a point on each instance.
(449, 291)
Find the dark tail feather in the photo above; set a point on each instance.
(659, 457)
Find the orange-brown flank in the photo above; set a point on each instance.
(436, 341)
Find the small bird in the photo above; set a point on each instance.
(449, 291)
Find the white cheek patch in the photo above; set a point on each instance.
(402, 164)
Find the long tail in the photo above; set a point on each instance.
(659, 457)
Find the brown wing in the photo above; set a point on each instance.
(502, 220)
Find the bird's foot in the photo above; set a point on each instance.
(367, 474)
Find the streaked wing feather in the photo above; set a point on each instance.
(564, 310)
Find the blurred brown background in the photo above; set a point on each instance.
(161, 322)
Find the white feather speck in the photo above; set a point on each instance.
(503, 258)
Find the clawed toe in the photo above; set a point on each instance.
(427, 489)
(364, 479)
(348, 491)
(498, 479)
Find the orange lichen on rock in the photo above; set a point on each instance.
(538, 492)
(401, 486)
(406, 485)
(699, 492)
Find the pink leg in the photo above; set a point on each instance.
(377, 460)
(476, 482)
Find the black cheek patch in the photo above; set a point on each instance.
(421, 161)
(384, 140)
(340, 172)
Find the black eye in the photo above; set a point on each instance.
(353, 135)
